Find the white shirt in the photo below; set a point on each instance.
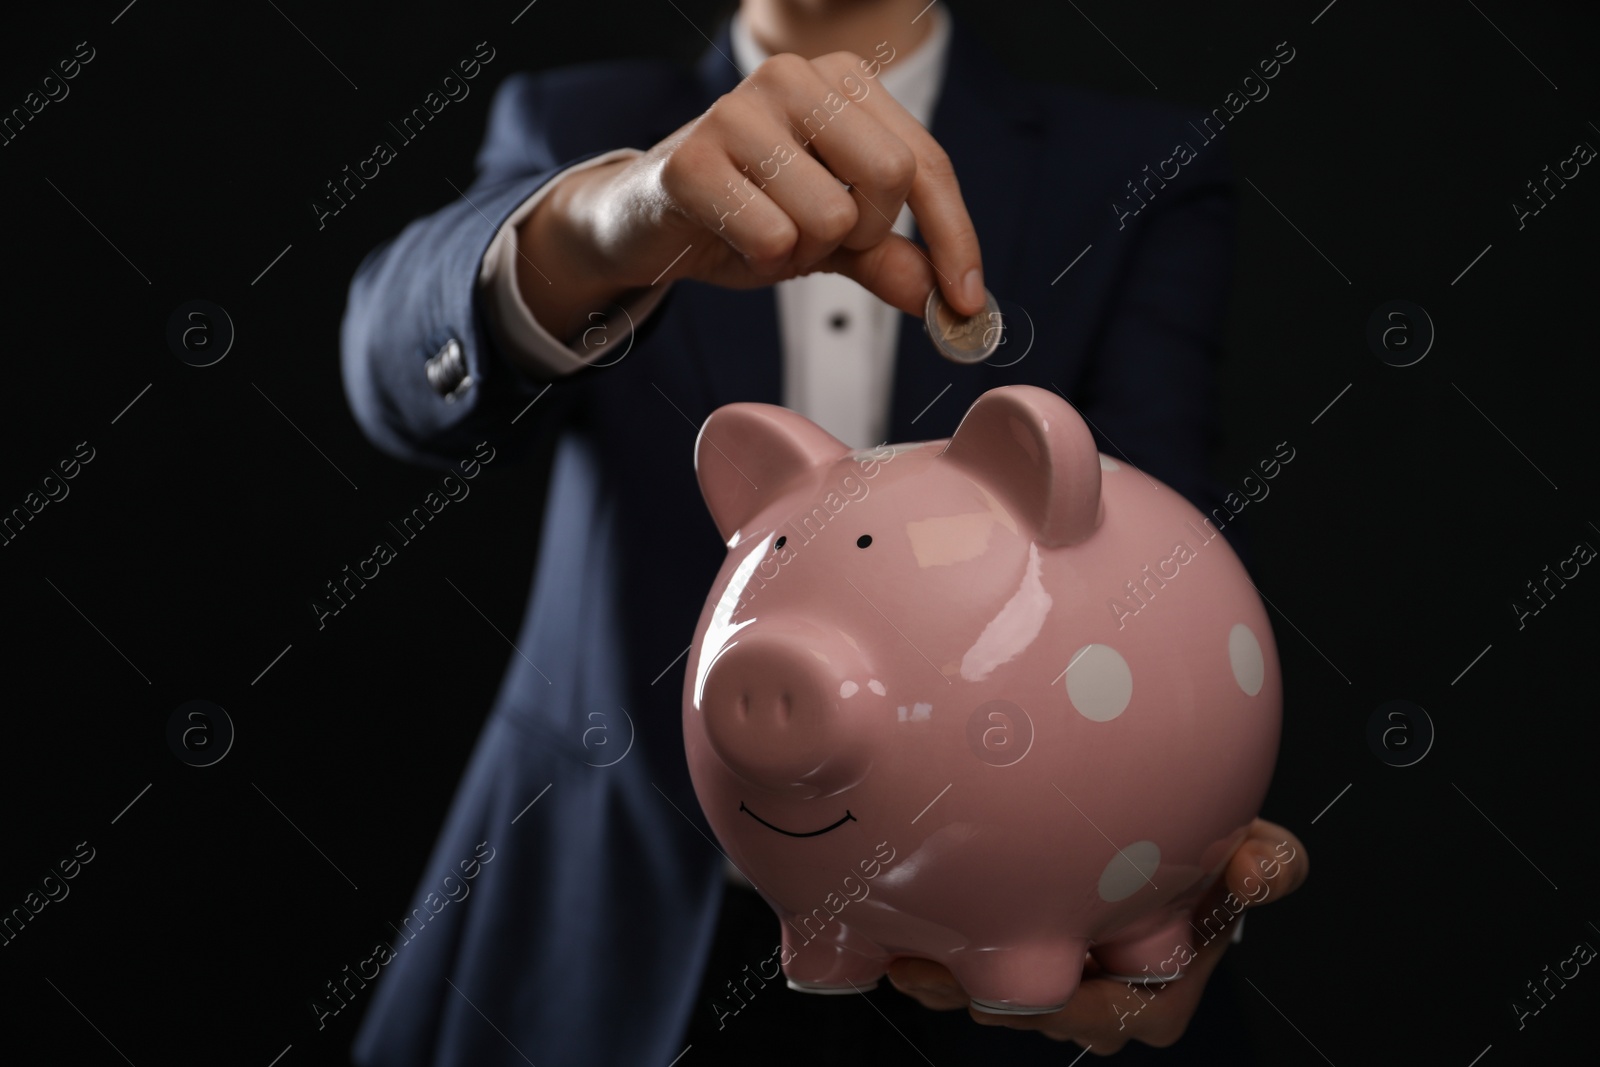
(838, 340)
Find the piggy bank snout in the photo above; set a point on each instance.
(776, 712)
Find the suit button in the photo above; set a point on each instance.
(447, 370)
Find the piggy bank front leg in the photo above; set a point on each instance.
(834, 959)
(1033, 979)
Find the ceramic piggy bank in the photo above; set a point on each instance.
(998, 701)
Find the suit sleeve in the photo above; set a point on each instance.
(418, 295)
(1153, 387)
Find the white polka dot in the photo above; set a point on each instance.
(877, 687)
(847, 688)
(1099, 683)
(1109, 464)
(1129, 871)
(1244, 653)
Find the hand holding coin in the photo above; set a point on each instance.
(963, 338)
(748, 194)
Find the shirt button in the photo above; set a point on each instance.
(839, 321)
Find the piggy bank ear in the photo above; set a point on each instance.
(747, 454)
(1034, 451)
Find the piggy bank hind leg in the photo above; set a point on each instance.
(1150, 959)
(836, 960)
(1035, 979)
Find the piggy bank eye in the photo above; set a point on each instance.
(864, 540)
(780, 542)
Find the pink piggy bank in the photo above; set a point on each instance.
(998, 701)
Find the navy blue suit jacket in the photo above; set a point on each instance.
(583, 941)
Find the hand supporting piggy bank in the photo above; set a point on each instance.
(998, 701)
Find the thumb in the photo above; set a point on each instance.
(894, 270)
(1271, 864)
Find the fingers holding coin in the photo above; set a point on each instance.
(933, 193)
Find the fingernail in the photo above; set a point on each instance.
(972, 288)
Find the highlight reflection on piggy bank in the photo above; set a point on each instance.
(997, 701)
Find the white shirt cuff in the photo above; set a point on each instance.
(515, 326)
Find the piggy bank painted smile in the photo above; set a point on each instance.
(997, 701)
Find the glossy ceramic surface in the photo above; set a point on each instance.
(996, 701)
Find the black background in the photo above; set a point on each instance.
(188, 551)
